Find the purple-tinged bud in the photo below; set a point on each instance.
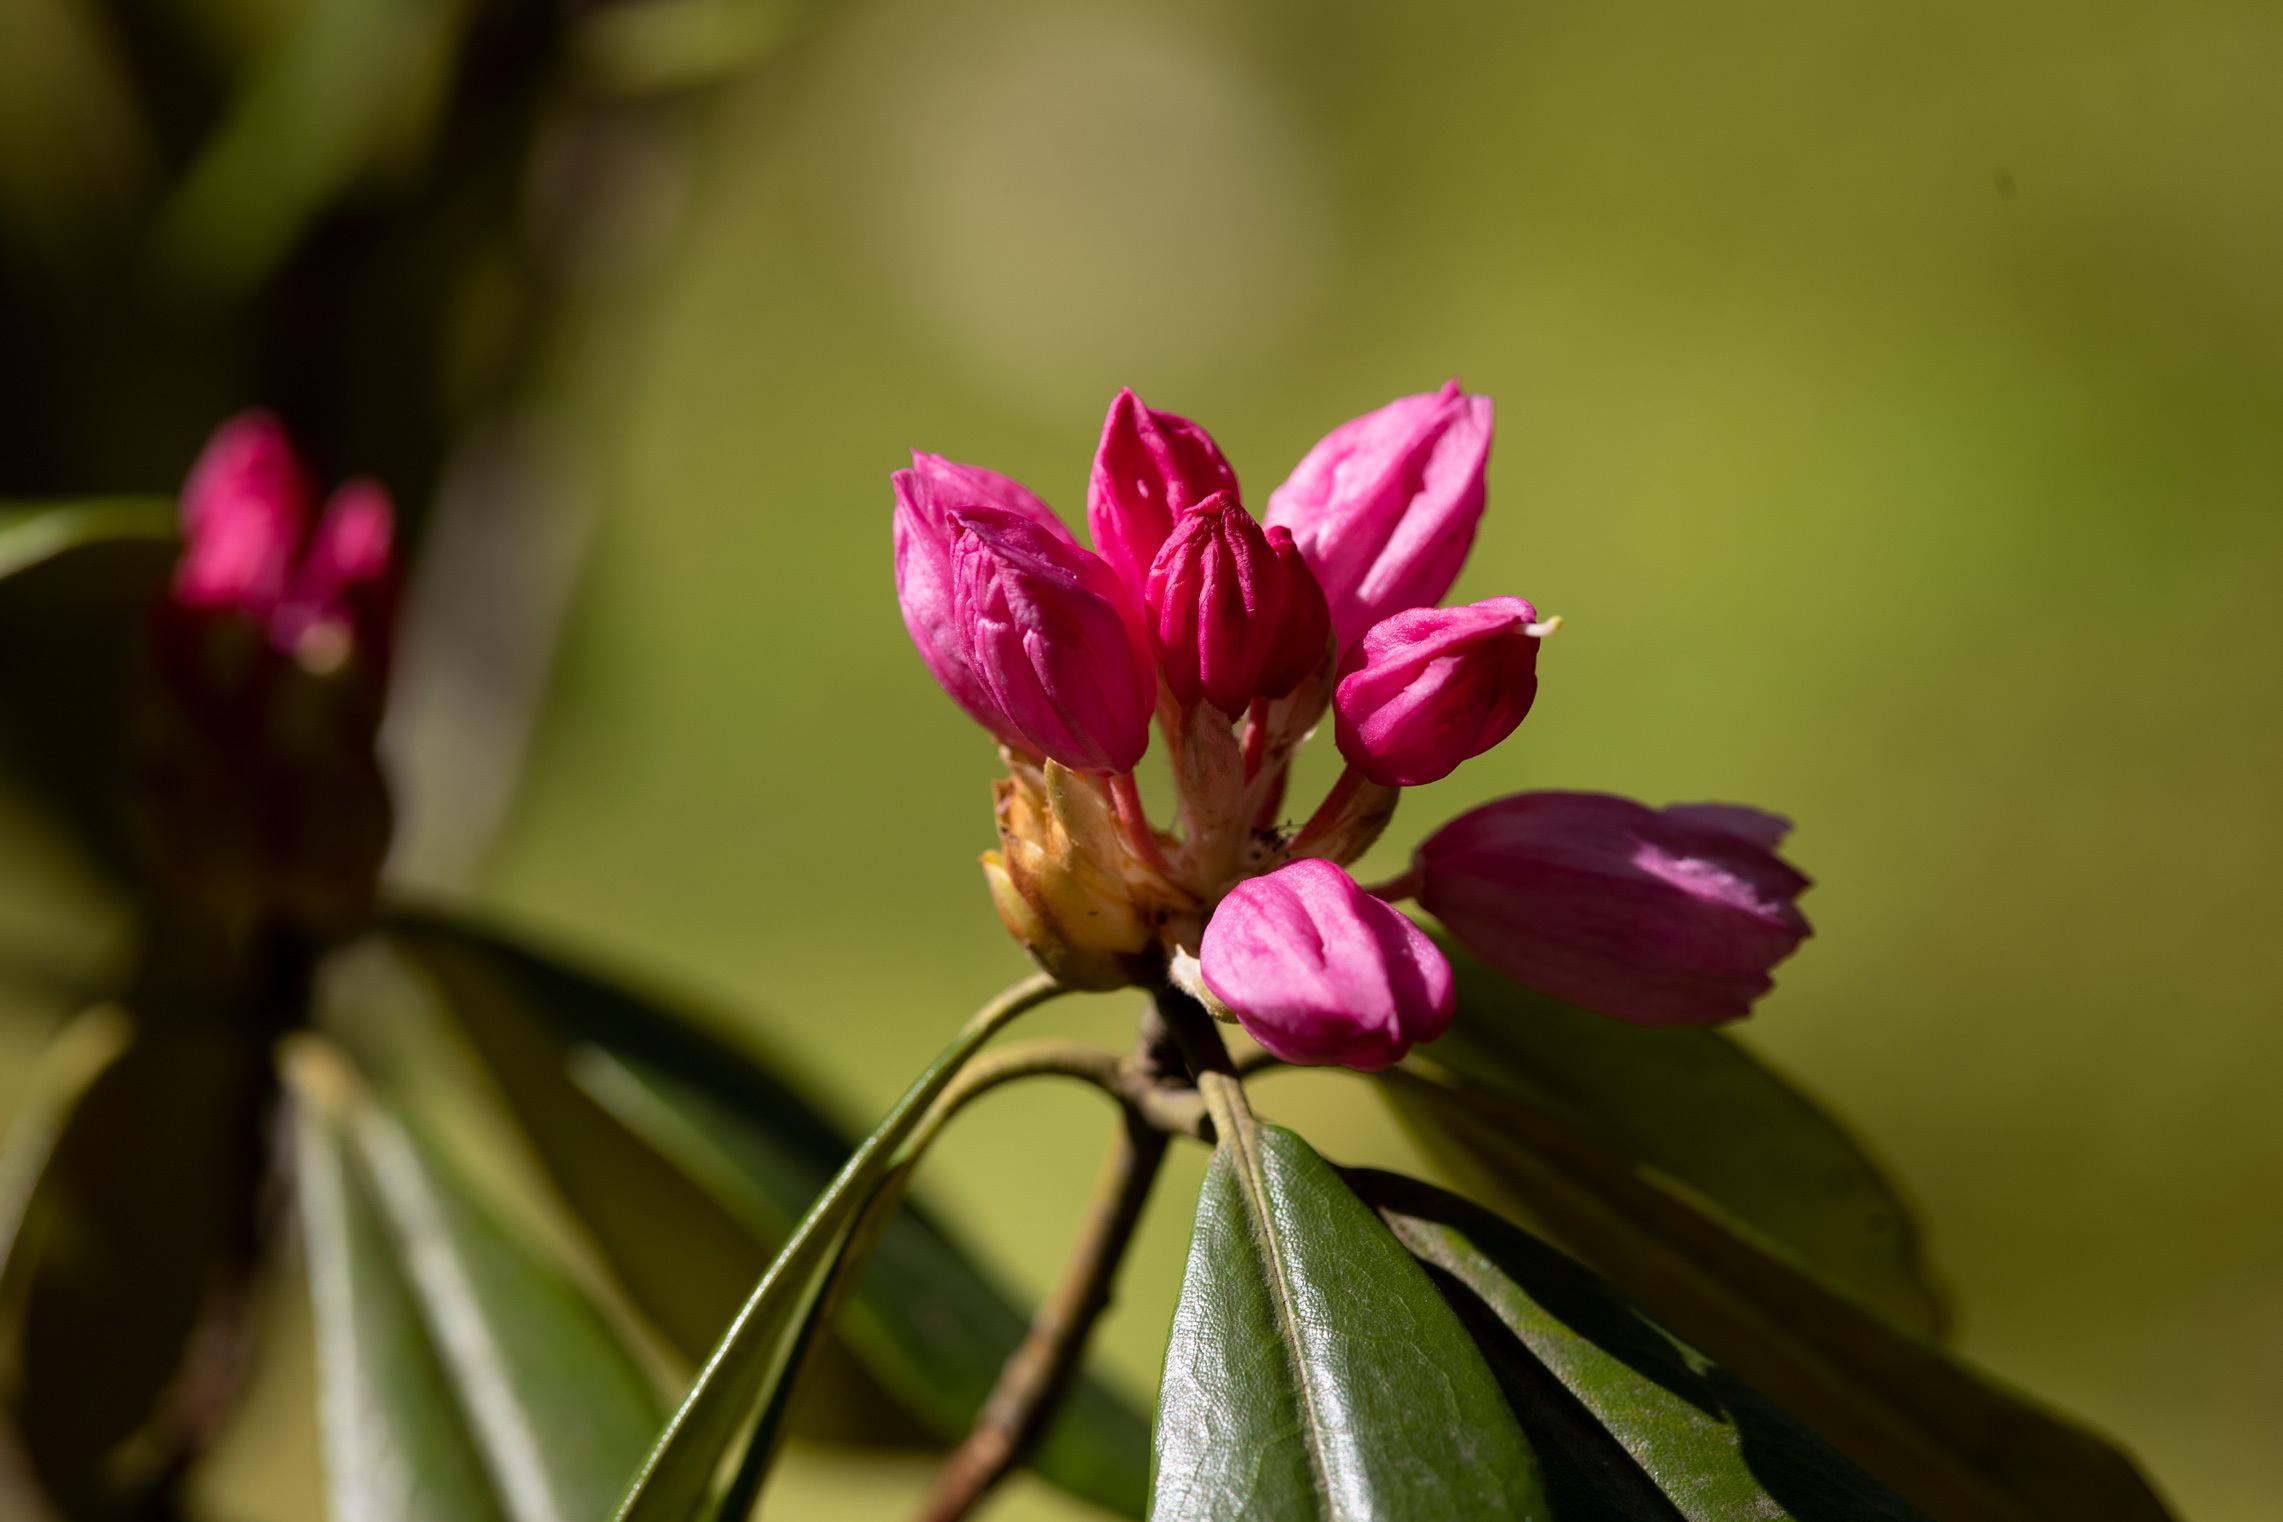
(1432, 687)
(926, 495)
(1230, 616)
(243, 511)
(1151, 468)
(1385, 505)
(1052, 641)
(1322, 973)
(1658, 916)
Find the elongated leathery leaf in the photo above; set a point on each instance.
(1588, 1373)
(923, 1317)
(395, 1444)
(556, 1410)
(1937, 1432)
(924, 1321)
(32, 532)
(1700, 1109)
(751, 1368)
(1314, 1371)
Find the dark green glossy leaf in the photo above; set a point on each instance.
(554, 1406)
(1314, 1371)
(1701, 1110)
(738, 1401)
(1938, 1433)
(396, 1445)
(922, 1317)
(923, 1321)
(33, 532)
(1628, 1421)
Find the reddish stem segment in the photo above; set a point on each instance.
(1256, 737)
(1134, 821)
(1328, 812)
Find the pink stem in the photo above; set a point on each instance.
(1328, 812)
(1256, 736)
(1126, 799)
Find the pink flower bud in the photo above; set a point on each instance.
(1322, 973)
(341, 598)
(1385, 505)
(1231, 617)
(925, 497)
(1660, 917)
(243, 512)
(1151, 468)
(1427, 689)
(1052, 641)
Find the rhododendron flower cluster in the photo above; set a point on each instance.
(1234, 636)
(258, 792)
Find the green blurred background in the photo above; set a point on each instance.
(1890, 400)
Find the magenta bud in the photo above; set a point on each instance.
(926, 495)
(243, 511)
(1230, 616)
(1658, 916)
(1321, 973)
(341, 598)
(1427, 689)
(1385, 506)
(1150, 469)
(1053, 644)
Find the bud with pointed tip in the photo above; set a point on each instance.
(1231, 616)
(1150, 469)
(1052, 641)
(1657, 916)
(1320, 972)
(1429, 688)
(926, 495)
(1385, 506)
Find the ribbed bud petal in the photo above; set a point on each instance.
(1660, 917)
(1229, 617)
(1151, 468)
(926, 495)
(1427, 689)
(243, 511)
(1052, 641)
(1385, 506)
(1322, 973)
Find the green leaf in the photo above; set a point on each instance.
(33, 532)
(88, 1043)
(923, 1317)
(738, 1400)
(924, 1320)
(1708, 1116)
(539, 1387)
(1628, 1420)
(1935, 1431)
(395, 1443)
(1313, 1371)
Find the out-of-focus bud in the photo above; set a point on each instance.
(926, 495)
(1322, 973)
(1660, 917)
(1052, 641)
(1059, 882)
(243, 511)
(1230, 618)
(257, 792)
(1385, 506)
(1151, 468)
(1427, 689)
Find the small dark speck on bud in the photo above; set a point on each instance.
(2003, 179)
